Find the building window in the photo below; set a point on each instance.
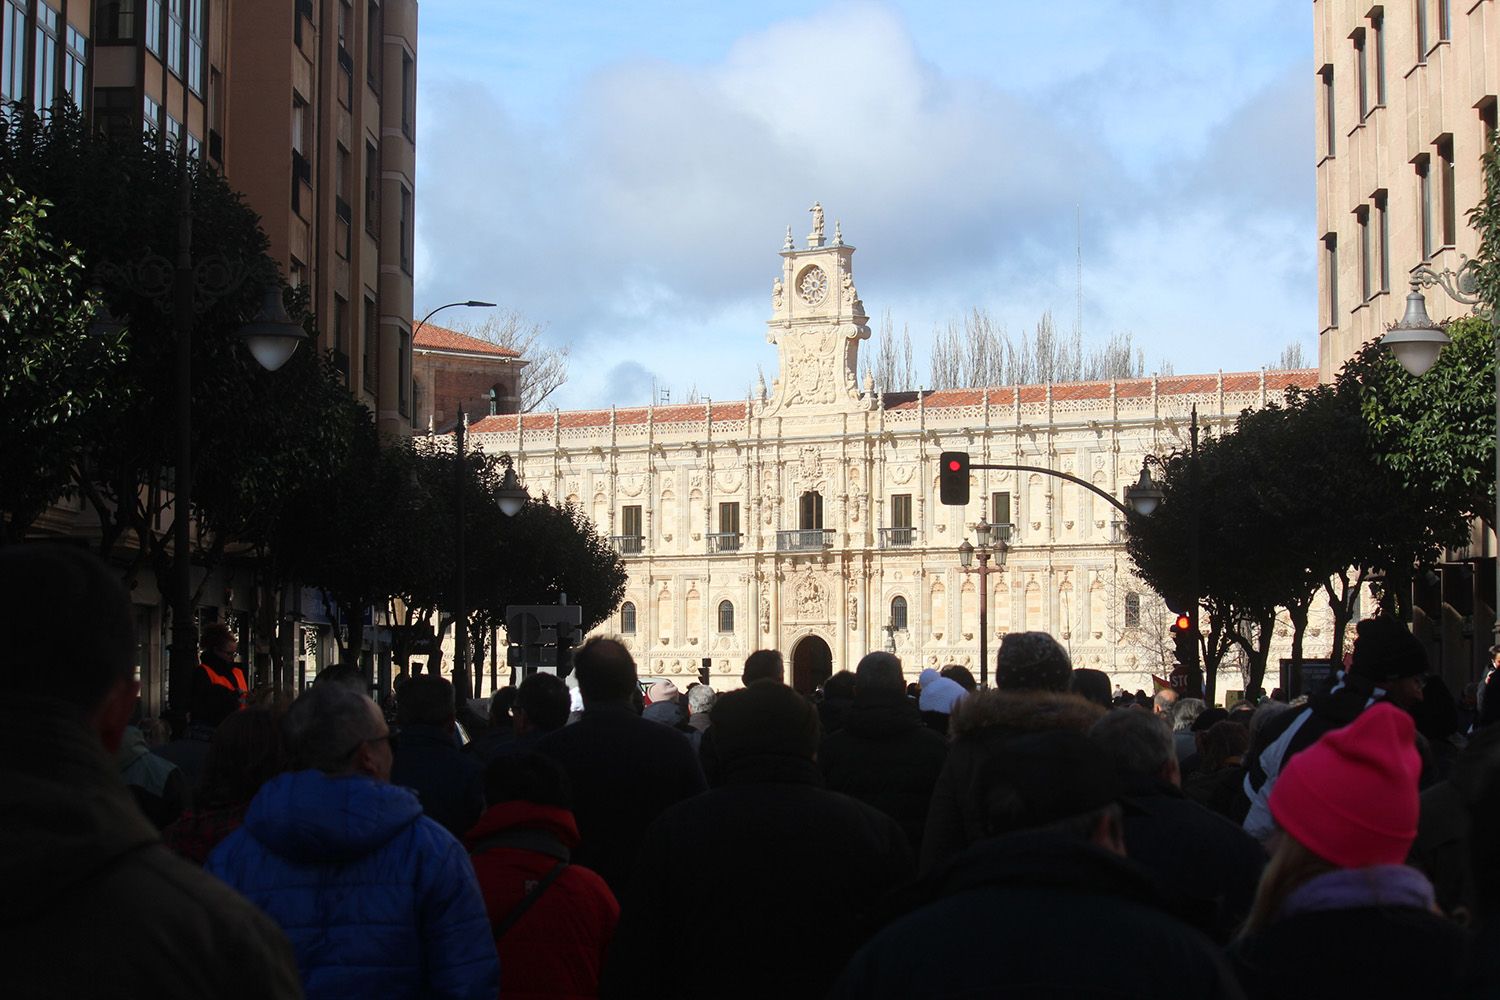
(810, 511)
(13, 69)
(408, 95)
(627, 618)
(372, 189)
(1444, 20)
(1487, 123)
(341, 328)
(1132, 610)
(114, 111)
(1421, 13)
(1362, 70)
(726, 616)
(153, 27)
(1424, 204)
(898, 614)
(174, 133)
(729, 528)
(45, 82)
(151, 117)
(195, 46)
(301, 161)
(630, 529)
(1000, 508)
(1383, 234)
(1366, 254)
(342, 213)
(374, 44)
(174, 36)
(296, 274)
(901, 530)
(1331, 264)
(74, 61)
(370, 350)
(1448, 179)
(408, 237)
(114, 21)
(1329, 120)
(403, 373)
(1377, 29)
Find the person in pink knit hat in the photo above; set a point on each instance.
(1338, 911)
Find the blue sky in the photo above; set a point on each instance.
(623, 174)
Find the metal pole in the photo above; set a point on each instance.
(460, 633)
(1495, 524)
(984, 626)
(1195, 670)
(184, 629)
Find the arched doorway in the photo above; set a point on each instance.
(812, 664)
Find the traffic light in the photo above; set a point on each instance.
(703, 671)
(953, 478)
(1185, 637)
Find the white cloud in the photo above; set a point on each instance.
(642, 224)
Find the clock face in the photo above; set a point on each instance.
(813, 285)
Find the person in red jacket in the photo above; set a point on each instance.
(553, 921)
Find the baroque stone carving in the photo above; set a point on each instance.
(815, 238)
(813, 286)
(812, 600)
(777, 291)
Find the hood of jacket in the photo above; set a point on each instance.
(504, 817)
(882, 717)
(668, 713)
(1013, 713)
(68, 814)
(309, 817)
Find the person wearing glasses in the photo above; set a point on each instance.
(376, 898)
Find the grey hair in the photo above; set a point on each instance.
(1185, 713)
(1139, 742)
(325, 725)
(880, 671)
(701, 699)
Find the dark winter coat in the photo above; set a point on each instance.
(449, 783)
(981, 724)
(377, 899)
(557, 947)
(190, 753)
(625, 771)
(886, 758)
(1370, 952)
(1039, 914)
(1198, 853)
(776, 872)
(95, 906)
(157, 784)
(1222, 791)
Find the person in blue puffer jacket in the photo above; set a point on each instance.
(377, 899)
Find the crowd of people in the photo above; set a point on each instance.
(1047, 836)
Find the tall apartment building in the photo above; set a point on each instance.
(1406, 102)
(307, 107)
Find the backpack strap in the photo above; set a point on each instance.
(530, 898)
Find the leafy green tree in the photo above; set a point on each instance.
(56, 375)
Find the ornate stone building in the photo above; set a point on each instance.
(806, 518)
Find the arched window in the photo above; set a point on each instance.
(1132, 610)
(726, 616)
(494, 399)
(627, 618)
(898, 614)
(810, 510)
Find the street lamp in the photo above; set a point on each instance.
(1416, 341)
(1145, 495)
(469, 303)
(966, 554)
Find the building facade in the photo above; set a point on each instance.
(454, 370)
(1406, 102)
(806, 518)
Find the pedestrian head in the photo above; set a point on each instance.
(500, 706)
(1162, 701)
(55, 595)
(529, 777)
(765, 720)
(939, 694)
(1222, 744)
(542, 703)
(960, 675)
(661, 691)
(1032, 661)
(701, 699)
(246, 752)
(1139, 744)
(426, 701)
(840, 686)
(346, 674)
(763, 665)
(338, 731)
(606, 673)
(1093, 685)
(1388, 656)
(1184, 713)
(219, 639)
(879, 674)
(1058, 780)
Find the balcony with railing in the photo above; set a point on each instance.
(724, 541)
(898, 538)
(628, 545)
(804, 539)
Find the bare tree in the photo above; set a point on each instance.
(1291, 358)
(547, 367)
(892, 368)
(978, 351)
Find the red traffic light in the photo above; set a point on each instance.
(954, 465)
(1184, 623)
(953, 478)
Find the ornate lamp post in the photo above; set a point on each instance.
(966, 553)
(1417, 341)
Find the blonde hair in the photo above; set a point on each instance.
(1291, 866)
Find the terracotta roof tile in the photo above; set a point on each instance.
(440, 338)
(624, 417)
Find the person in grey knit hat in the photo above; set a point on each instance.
(1032, 661)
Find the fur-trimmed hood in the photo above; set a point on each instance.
(1018, 712)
